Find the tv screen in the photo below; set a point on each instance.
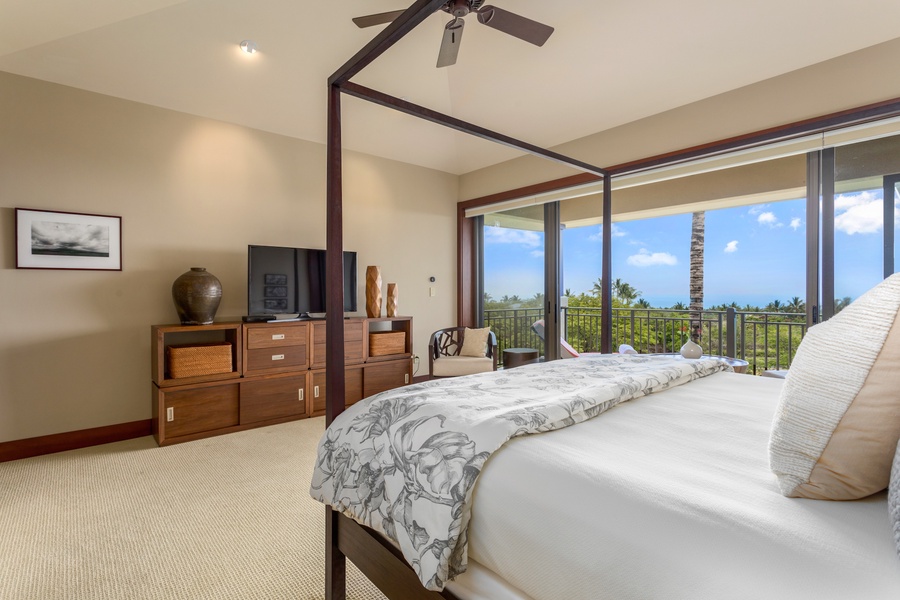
(282, 281)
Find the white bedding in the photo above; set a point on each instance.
(670, 496)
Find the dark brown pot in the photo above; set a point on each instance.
(197, 295)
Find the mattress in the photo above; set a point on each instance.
(669, 496)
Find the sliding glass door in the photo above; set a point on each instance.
(513, 244)
(860, 217)
(791, 236)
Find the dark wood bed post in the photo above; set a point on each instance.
(335, 562)
(379, 561)
(606, 269)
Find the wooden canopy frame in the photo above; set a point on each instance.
(344, 538)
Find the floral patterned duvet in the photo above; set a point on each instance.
(405, 462)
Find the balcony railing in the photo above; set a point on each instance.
(766, 340)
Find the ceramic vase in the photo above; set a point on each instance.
(373, 292)
(392, 300)
(691, 349)
(197, 294)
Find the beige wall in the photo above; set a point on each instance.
(846, 82)
(75, 345)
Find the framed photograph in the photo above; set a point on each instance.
(47, 239)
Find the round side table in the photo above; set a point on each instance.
(515, 357)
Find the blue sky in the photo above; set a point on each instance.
(754, 254)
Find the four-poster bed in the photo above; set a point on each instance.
(682, 425)
(343, 536)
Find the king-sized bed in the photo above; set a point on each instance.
(686, 481)
(665, 492)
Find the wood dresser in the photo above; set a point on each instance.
(234, 376)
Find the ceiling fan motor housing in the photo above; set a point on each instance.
(460, 8)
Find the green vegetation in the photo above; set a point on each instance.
(766, 336)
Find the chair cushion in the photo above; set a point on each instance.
(475, 342)
(452, 366)
(838, 419)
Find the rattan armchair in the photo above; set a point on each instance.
(444, 359)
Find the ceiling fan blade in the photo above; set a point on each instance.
(450, 43)
(515, 25)
(379, 19)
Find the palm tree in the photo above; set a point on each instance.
(796, 305)
(643, 303)
(597, 290)
(624, 291)
(774, 306)
(698, 223)
(617, 288)
(679, 306)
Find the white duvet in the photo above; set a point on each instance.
(667, 497)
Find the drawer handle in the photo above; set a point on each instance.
(300, 394)
(316, 391)
(278, 357)
(277, 336)
(406, 378)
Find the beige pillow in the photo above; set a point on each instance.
(475, 342)
(838, 419)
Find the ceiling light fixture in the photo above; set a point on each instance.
(249, 46)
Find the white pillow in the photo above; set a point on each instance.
(838, 420)
(475, 342)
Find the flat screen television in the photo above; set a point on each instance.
(291, 281)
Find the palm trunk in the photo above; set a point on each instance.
(696, 283)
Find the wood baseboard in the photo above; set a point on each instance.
(72, 440)
(421, 378)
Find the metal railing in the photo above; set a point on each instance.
(766, 340)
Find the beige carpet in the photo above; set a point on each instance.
(228, 517)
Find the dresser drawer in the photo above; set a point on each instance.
(199, 409)
(281, 358)
(273, 398)
(353, 343)
(272, 336)
(353, 389)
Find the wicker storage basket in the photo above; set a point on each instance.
(193, 360)
(386, 342)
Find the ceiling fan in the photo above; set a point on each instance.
(507, 22)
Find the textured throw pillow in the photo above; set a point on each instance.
(475, 342)
(894, 498)
(838, 419)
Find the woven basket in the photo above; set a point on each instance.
(193, 360)
(386, 342)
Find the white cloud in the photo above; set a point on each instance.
(503, 235)
(796, 222)
(645, 258)
(731, 246)
(537, 253)
(616, 232)
(859, 213)
(769, 218)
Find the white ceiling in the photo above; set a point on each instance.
(607, 63)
